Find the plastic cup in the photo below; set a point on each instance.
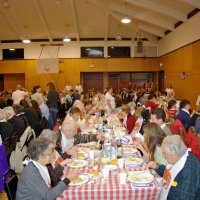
(120, 163)
(105, 172)
(91, 154)
(122, 178)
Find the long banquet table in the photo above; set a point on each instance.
(110, 188)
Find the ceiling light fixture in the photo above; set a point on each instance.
(66, 39)
(126, 20)
(11, 49)
(26, 41)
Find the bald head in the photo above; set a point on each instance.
(18, 87)
(69, 128)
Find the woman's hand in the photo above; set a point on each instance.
(72, 152)
(72, 174)
(138, 145)
(152, 165)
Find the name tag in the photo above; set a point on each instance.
(125, 140)
(174, 184)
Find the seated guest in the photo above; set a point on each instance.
(35, 182)
(132, 107)
(44, 109)
(68, 137)
(56, 165)
(159, 117)
(6, 129)
(74, 114)
(151, 147)
(128, 119)
(17, 122)
(182, 174)
(18, 110)
(194, 117)
(184, 114)
(171, 108)
(150, 103)
(31, 115)
(89, 109)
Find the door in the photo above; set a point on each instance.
(11, 80)
(93, 80)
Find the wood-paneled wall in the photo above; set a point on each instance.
(185, 59)
(70, 69)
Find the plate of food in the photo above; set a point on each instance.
(140, 177)
(94, 175)
(129, 150)
(77, 163)
(82, 155)
(133, 160)
(80, 180)
(83, 150)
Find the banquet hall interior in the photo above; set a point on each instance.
(126, 65)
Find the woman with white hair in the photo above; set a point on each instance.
(34, 182)
(56, 165)
(182, 173)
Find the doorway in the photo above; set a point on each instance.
(92, 80)
(11, 80)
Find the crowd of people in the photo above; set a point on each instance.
(170, 132)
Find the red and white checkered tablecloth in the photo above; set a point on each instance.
(109, 189)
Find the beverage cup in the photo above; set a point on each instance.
(122, 178)
(120, 163)
(105, 172)
(91, 154)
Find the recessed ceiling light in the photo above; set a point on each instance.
(88, 49)
(11, 49)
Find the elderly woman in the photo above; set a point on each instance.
(182, 174)
(34, 182)
(56, 165)
(128, 119)
(151, 147)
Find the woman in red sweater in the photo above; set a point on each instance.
(128, 119)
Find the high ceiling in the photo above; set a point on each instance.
(83, 19)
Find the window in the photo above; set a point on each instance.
(92, 52)
(119, 52)
(13, 53)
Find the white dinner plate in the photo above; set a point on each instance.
(130, 160)
(80, 180)
(77, 163)
(140, 177)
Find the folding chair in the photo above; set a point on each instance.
(10, 180)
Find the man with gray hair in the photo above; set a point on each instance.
(16, 121)
(6, 129)
(182, 173)
(18, 94)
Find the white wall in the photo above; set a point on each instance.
(183, 35)
(69, 50)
